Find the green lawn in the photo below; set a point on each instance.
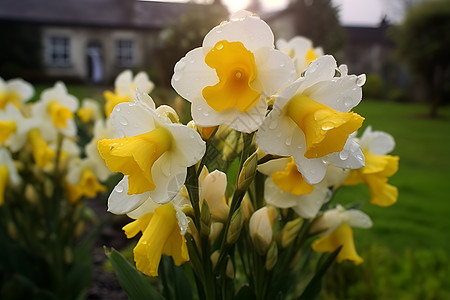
(421, 217)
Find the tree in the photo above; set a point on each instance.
(423, 43)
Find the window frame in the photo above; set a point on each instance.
(59, 51)
(125, 55)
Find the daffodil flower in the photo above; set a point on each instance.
(82, 180)
(8, 173)
(125, 89)
(55, 111)
(89, 111)
(163, 228)
(285, 187)
(228, 79)
(311, 122)
(16, 91)
(379, 166)
(301, 50)
(151, 152)
(260, 228)
(13, 128)
(335, 230)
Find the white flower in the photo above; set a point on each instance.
(260, 228)
(152, 152)
(8, 172)
(310, 121)
(13, 128)
(89, 111)
(286, 188)
(228, 79)
(125, 89)
(55, 112)
(301, 50)
(15, 91)
(212, 188)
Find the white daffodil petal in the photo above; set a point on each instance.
(21, 87)
(341, 94)
(148, 206)
(143, 83)
(277, 197)
(253, 32)
(123, 82)
(351, 156)
(275, 69)
(313, 170)
(357, 218)
(213, 187)
(322, 69)
(377, 142)
(129, 119)
(309, 205)
(274, 165)
(6, 159)
(119, 202)
(190, 145)
(193, 66)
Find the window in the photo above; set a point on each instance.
(125, 53)
(58, 53)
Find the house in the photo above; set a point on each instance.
(93, 40)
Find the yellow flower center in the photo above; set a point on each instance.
(375, 174)
(88, 186)
(6, 129)
(9, 97)
(112, 99)
(291, 180)
(311, 55)
(341, 236)
(86, 114)
(134, 156)
(42, 154)
(326, 130)
(60, 114)
(4, 179)
(160, 235)
(235, 66)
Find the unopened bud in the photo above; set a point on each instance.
(191, 124)
(193, 231)
(229, 271)
(290, 231)
(205, 219)
(236, 222)
(247, 207)
(260, 227)
(168, 112)
(207, 132)
(272, 256)
(216, 229)
(188, 210)
(30, 194)
(247, 173)
(12, 230)
(214, 258)
(68, 257)
(212, 189)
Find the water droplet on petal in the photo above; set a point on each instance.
(273, 124)
(117, 108)
(123, 121)
(289, 140)
(344, 154)
(199, 108)
(180, 66)
(205, 113)
(359, 157)
(192, 61)
(361, 80)
(327, 126)
(219, 46)
(282, 65)
(118, 188)
(347, 102)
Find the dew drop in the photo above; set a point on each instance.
(279, 134)
(117, 108)
(344, 154)
(289, 140)
(359, 157)
(119, 188)
(199, 108)
(123, 121)
(180, 66)
(219, 46)
(192, 61)
(205, 113)
(327, 126)
(361, 80)
(282, 65)
(347, 102)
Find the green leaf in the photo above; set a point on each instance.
(245, 293)
(131, 280)
(176, 284)
(314, 287)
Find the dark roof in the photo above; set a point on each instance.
(368, 34)
(102, 13)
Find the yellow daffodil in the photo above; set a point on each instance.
(311, 122)
(8, 173)
(285, 187)
(89, 111)
(228, 79)
(163, 228)
(260, 228)
(42, 154)
(301, 50)
(13, 128)
(87, 184)
(55, 111)
(15, 91)
(151, 152)
(379, 167)
(334, 227)
(125, 89)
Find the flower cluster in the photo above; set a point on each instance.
(282, 120)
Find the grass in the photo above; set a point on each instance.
(420, 218)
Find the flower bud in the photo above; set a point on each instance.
(247, 207)
(216, 229)
(31, 195)
(229, 271)
(212, 189)
(193, 231)
(236, 222)
(191, 124)
(290, 231)
(214, 258)
(272, 256)
(168, 112)
(205, 219)
(12, 230)
(260, 228)
(207, 132)
(247, 173)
